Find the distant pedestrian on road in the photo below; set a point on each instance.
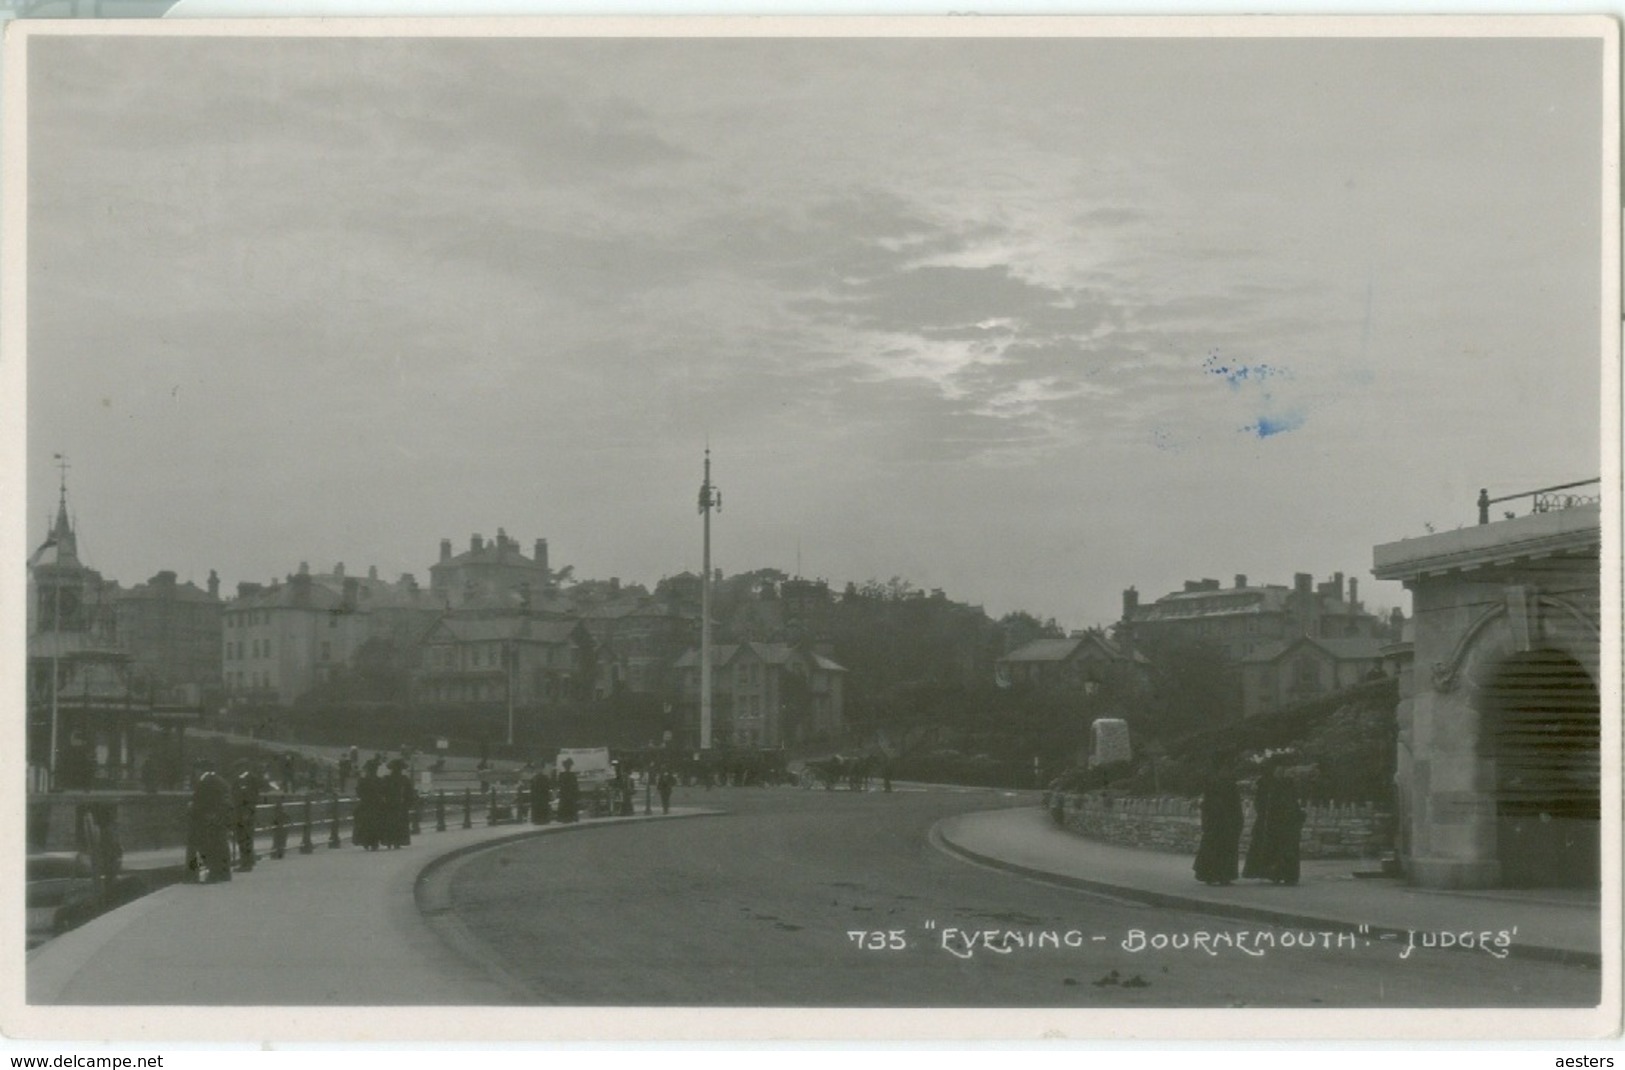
(1272, 853)
(664, 785)
(1221, 826)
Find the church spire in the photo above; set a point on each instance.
(62, 532)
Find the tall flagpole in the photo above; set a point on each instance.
(709, 497)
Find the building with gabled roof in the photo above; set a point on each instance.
(1280, 674)
(1081, 661)
(766, 694)
(518, 660)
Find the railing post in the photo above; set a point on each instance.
(1483, 505)
(305, 844)
(491, 807)
(333, 837)
(440, 811)
(279, 831)
(468, 808)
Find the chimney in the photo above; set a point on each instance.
(541, 554)
(245, 589)
(1131, 602)
(445, 550)
(372, 572)
(476, 543)
(614, 585)
(165, 578)
(338, 570)
(214, 584)
(1210, 585)
(1241, 580)
(301, 587)
(1354, 592)
(1192, 586)
(304, 568)
(1337, 581)
(1303, 602)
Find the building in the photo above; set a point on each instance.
(516, 661)
(1499, 771)
(1281, 674)
(173, 633)
(488, 573)
(765, 694)
(1082, 662)
(1246, 620)
(638, 639)
(279, 641)
(82, 705)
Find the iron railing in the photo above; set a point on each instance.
(1544, 500)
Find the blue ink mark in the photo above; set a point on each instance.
(1274, 425)
(1237, 374)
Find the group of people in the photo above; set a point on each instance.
(383, 806)
(568, 787)
(1272, 852)
(220, 821)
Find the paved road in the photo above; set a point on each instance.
(756, 907)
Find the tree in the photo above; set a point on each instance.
(1191, 685)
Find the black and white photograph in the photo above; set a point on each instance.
(891, 528)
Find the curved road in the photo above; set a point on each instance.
(756, 907)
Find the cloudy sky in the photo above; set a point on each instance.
(1027, 320)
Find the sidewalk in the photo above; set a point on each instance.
(1554, 924)
(365, 944)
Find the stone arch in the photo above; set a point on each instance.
(1539, 745)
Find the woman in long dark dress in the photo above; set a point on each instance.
(1221, 828)
(369, 800)
(1272, 853)
(396, 830)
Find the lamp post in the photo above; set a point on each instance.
(709, 497)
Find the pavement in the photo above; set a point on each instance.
(376, 928)
(1554, 924)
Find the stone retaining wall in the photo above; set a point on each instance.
(1173, 824)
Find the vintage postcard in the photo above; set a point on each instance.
(893, 529)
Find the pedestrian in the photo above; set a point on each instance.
(396, 809)
(1222, 820)
(369, 802)
(289, 772)
(541, 799)
(569, 793)
(211, 823)
(664, 786)
(345, 769)
(1272, 853)
(245, 802)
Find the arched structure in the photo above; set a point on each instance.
(1499, 771)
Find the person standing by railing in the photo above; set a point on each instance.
(245, 801)
(397, 806)
(369, 799)
(569, 793)
(541, 801)
(211, 821)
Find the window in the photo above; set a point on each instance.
(327, 651)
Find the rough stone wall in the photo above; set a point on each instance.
(1173, 824)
